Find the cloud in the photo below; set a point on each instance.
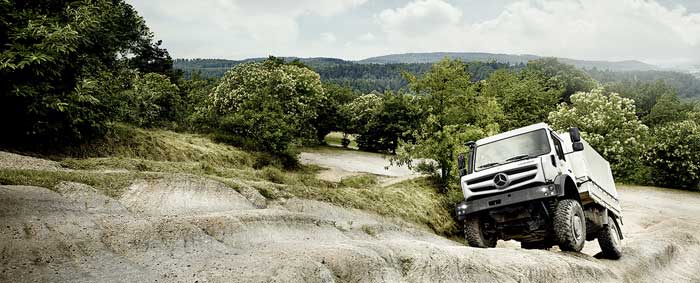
(233, 29)
(419, 16)
(587, 29)
(366, 37)
(328, 38)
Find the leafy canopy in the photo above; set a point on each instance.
(267, 106)
(609, 124)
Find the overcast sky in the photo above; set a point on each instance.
(662, 32)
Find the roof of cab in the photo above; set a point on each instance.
(512, 133)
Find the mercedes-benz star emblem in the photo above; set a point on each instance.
(501, 180)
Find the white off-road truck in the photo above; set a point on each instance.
(541, 188)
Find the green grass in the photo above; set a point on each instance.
(359, 181)
(150, 153)
(111, 184)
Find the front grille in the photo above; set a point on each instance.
(508, 172)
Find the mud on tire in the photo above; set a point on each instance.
(569, 225)
(609, 240)
(475, 235)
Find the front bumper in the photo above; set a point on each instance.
(506, 198)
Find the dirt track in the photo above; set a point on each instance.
(185, 228)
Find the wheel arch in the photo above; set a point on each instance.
(567, 188)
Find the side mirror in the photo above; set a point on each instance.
(461, 165)
(575, 135)
(577, 146)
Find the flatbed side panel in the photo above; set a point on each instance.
(593, 173)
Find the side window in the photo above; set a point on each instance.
(557, 147)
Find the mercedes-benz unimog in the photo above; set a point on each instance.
(541, 188)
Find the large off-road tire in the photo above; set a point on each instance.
(476, 235)
(609, 240)
(569, 225)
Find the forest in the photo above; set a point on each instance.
(378, 75)
(70, 72)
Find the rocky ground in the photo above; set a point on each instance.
(185, 228)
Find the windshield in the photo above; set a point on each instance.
(512, 149)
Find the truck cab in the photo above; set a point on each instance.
(541, 188)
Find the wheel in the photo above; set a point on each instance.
(476, 235)
(538, 245)
(609, 240)
(569, 225)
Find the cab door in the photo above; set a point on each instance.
(558, 158)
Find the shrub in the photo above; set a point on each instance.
(267, 106)
(609, 124)
(674, 155)
(154, 101)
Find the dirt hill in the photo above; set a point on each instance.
(186, 228)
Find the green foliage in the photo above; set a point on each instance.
(380, 121)
(454, 113)
(557, 75)
(267, 106)
(56, 61)
(609, 124)
(668, 108)
(686, 85)
(360, 77)
(674, 155)
(527, 97)
(153, 101)
(644, 94)
(331, 115)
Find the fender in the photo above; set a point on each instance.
(566, 187)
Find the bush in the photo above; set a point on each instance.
(609, 124)
(153, 101)
(267, 106)
(58, 60)
(674, 156)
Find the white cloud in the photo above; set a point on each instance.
(328, 38)
(419, 16)
(366, 37)
(587, 29)
(233, 29)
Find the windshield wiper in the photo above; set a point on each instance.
(518, 157)
(487, 165)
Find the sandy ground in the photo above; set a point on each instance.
(182, 228)
(342, 163)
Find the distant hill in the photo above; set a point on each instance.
(630, 65)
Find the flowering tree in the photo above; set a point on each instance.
(267, 106)
(609, 124)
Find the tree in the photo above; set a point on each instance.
(674, 155)
(609, 124)
(526, 96)
(267, 106)
(380, 121)
(668, 108)
(154, 101)
(557, 75)
(645, 94)
(330, 115)
(54, 55)
(450, 107)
